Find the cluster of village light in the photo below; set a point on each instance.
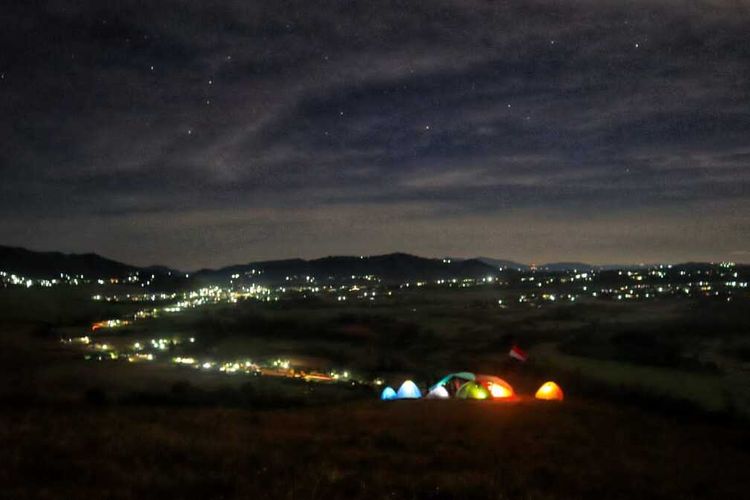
(8, 279)
(455, 282)
(157, 349)
(639, 285)
(546, 297)
(370, 288)
(188, 300)
(635, 292)
(136, 297)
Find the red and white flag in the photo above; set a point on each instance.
(516, 352)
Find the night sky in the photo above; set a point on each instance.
(203, 133)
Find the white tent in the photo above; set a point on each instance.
(408, 390)
(439, 392)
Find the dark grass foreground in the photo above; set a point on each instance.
(423, 449)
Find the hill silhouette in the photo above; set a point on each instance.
(33, 264)
(395, 267)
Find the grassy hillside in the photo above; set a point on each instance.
(424, 449)
(629, 428)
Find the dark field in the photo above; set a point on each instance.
(423, 449)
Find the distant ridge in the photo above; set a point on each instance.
(557, 267)
(567, 266)
(33, 264)
(394, 267)
(505, 264)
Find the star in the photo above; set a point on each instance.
(277, 97)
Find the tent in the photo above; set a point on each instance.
(408, 390)
(453, 381)
(462, 385)
(439, 392)
(549, 391)
(388, 394)
(473, 390)
(485, 387)
(498, 388)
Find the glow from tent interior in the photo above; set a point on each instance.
(473, 390)
(439, 392)
(408, 390)
(549, 391)
(462, 375)
(499, 391)
(497, 387)
(388, 394)
(479, 394)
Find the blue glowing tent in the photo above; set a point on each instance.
(388, 394)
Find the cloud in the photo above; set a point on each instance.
(469, 108)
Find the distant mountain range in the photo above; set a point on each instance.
(503, 264)
(568, 266)
(33, 264)
(395, 267)
(556, 266)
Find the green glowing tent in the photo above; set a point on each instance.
(473, 390)
(453, 381)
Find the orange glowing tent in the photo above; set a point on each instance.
(549, 391)
(497, 387)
